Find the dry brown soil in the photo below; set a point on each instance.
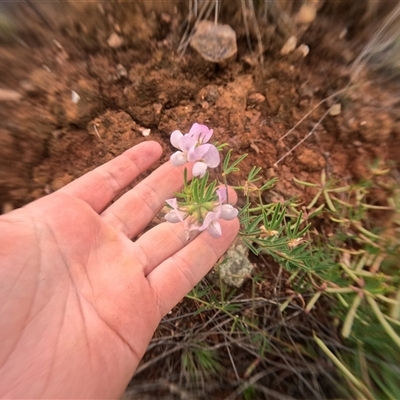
(46, 140)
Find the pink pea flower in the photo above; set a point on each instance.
(205, 156)
(175, 215)
(210, 221)
(227, 211)
(224, 211)
(194, 148)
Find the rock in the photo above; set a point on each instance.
(214, 42)
(9, 95)
(75, 97)
(236, 266)
(146, 132)
(289, 46)
(157, 108)
(306, 14)
(115, 41)
(79, 110)
(121, 71)
(211, 95)
(335, 110)
(303, 50)
(205, 105)
(299, 54)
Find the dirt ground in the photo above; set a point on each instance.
(143, 85)
(47, 140)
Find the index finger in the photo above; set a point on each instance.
(178, 274)
(100, 186)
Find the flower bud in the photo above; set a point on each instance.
(228, 212)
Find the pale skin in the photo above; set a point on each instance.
(79, 300)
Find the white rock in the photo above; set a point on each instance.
(335, 109)
(75, 97)
(146, 132)
(289, 46)
(303, 50)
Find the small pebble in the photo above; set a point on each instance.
(75, 97)
(115, 41)
(306, 14)
(303, 49)
(146, 132)
(289, 46)
(205, 105)
(335, 110)
(121, 71)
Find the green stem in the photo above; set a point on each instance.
(348, 323)
(345, 371)
(389, 330)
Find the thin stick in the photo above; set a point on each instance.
(304, 139)
(313, 109)
(246, 24)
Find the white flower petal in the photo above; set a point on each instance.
(221, 193)
(199, 169)
(175, 138)
(178, 159)
(201, 133)
(214, 229)
(212, 157)
(173, 217)
(186, 143)
(228, 212)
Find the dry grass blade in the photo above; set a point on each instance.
(375, 45)
(204, 13)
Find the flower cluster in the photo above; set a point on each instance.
(194, 148)
(199, 217)
(201, 206)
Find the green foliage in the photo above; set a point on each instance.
(198, 361)
(356, 268)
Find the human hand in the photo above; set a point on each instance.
(79, 301)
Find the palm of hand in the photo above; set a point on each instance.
(81, 297)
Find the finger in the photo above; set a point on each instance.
(177, 275)
(135, 209)
(160, 243)
(164, 240)
(100, 186)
